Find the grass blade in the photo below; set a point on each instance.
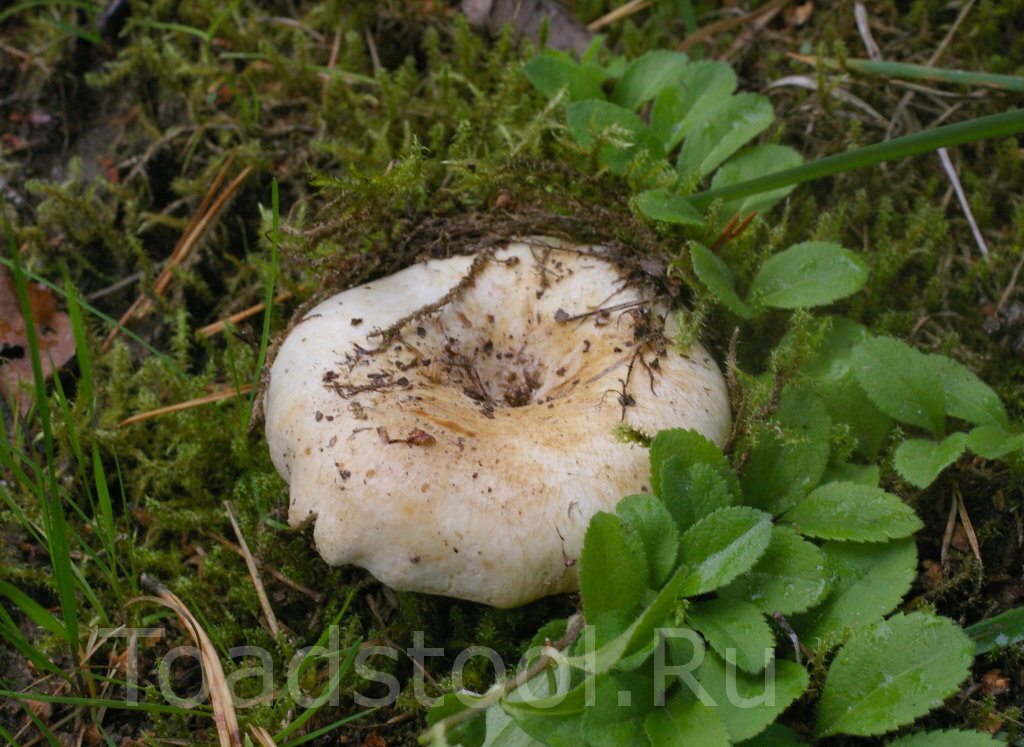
(1004, 629)
(923, 72)
(269, 296)
(982, 128)
(54, 522)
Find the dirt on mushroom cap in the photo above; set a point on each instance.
(450, 427)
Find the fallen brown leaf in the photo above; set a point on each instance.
(798, 15)
(53, 330)
(993, 683)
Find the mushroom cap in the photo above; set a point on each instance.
(450, 428)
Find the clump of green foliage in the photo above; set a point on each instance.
(680, 587)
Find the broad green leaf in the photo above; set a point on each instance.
(842, 337)
(949, 738)
(689, 446)
(967, 396)
(684, 722)
(920, 461)
(750, 164)
(723, 131)
(776, 735)
(717, 277)
(551, 71)
(553, 715)
(622, 134)
(784, 467)
(691, 492)
(990, 442)
(737, 625)
(889, 674)
(723, 545)
(868, 581)
(747, 703)
(703, 86)
(847, 511)
(623, 650)
(791, 576)
(613, 571)
(902, 381)
(668, 207)
(653, 524)
(845, 400)
(813, 273)
(862, 474)
(621, 702)
(648, 75)
(503, 731)
(1005, 629)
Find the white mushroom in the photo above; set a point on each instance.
(450, 428)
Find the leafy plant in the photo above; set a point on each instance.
(702, 600)
(697, 125)
(685, 601)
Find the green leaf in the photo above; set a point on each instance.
(847, 511)
(723, 131)
(751, 163)
(902, 381)
(785, 467)
(613, 574)
(684, 722)
(691, 447)
(629, 646)
(648, 75)
(552, 715)
(967, 396)
(737, 625)
(813, 273)
(551, 71)
(845, 400)
(622, 134)
(653, 524)
(948, 738)
(703, 86)
(742, 701)
(791, 576)
(1005, 629)
(621, 701)
(990, 442)
(717, 277)
(868, 581)
(668, 207)
(691, 492)
(776, 735)
(891, 673)
(920, 461)
(723, 545)
(862, 474)
(503, 731)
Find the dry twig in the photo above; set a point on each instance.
(254, 574)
